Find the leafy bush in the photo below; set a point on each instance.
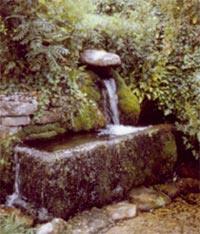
(35, 57)
(12, 224)
(170, 77)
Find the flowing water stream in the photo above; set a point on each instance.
(15, 198)
(115, 128)
(111, 88)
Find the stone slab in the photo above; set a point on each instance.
(17, 105)
(15, 121)
(96, 173)
(51, 116)
(100, 58)
(6, 131)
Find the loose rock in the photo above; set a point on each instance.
(120, 211)
(56, 226)
(179, 217)
(88, 222)
(148, 199)
(170, 189)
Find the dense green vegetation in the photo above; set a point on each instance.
(157, 40)
(12, 224)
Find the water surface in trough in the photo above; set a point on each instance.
(66, 142)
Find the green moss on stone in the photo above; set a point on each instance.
(89, 87)
(47, 131)
(128, 102)
(43, 135)
(169, 147)
(6, 165)
(129, 168)
(43, 128)
(89, 117)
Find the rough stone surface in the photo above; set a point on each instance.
(181, 186)
(51, 116)
(148, 199)
(96, 220)
(17, 105)
(100, 58)
(96, 173)
(6, 131)
(121, 210)
(170, 189)
(88, 222)
(15, 121)
(56, 226)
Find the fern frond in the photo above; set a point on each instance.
(43, 26)
(59, 52)
(21, 17)
(22, 31)
(33, 53)
(37, 63)
(36, 43)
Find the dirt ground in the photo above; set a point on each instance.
(180, 217)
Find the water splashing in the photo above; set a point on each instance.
(16, 197)
(120, 130)
(115, 129)
(113, 100)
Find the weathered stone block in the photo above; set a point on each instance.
(15, 121)
(98, 172)
(51, 116)
(100, 58)
(6, 131)
(17, 105)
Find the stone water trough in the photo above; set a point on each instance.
(97, 171)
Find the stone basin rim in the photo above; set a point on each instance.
(74, 151)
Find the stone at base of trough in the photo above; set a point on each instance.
(56, 226)
(148, 199)
(96, 173)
